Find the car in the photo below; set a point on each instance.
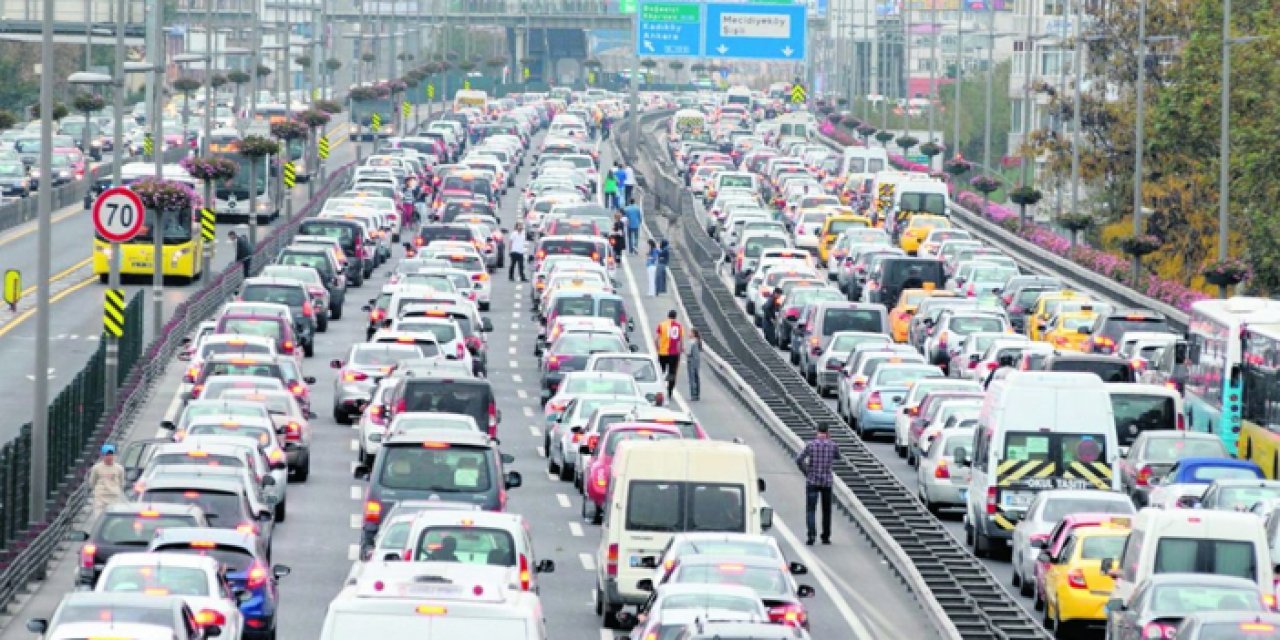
(200, 581)
(1239, 494)
(269, 325)
(291, 293)
(315, 285)
(820, 320)
(124, 527)
(140, 616)
(770, 579)
(642, 367)
(291, 423)
(1159, 603)
(247, 570)
(1154, 453)
(885, 389)
(966, 360)
(1226, 625)
(901, 313)
(837, 353)
(1076, 591)
(1107, 328)
(564, 435)
(1043, 514)
(952, 328)
(580, 383)
(718, 544)
(480, 538)
(1053, 546)
(672, 608)
(570, 352)
(360, 372)
(448, 463)
(445, 386)
(602, 447)
(857, 370)
(281, 368)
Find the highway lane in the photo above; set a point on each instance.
(76, 315)
(857, 595)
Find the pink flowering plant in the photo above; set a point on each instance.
(211, 168)
(289, 130)
(165, 195)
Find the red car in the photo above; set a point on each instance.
(602, 448)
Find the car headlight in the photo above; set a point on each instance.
(264, 206)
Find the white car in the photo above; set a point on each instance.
(198, 580)
(372, 426)
(642, 367)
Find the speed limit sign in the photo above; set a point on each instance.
(118, 214)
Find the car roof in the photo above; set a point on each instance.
(451, 436)
(230, 537)
(162, 508)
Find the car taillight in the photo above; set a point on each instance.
(192, 374)
(791, 615)
(375, 415)
(1007, 299)
(287, 347)
(293, 431)
(257, 576)
(873, 402)
(460, 351)
(1144, 476)
(248, 527)
(210, 618)
(493, 419)
(553, 363)
(973, 364)
(372, 512)
(195, 391)
(526, 577)
(87, 554)
(991, 500)
(1157, 631)
(611, 560)
(941, 471)
(1075, 579)
(377, 315)
(354, 376)
(859, 383)
(307, 310)
(971, 291)
(1182, 422)
(297, 388)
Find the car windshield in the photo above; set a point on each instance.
(385, 355)
(156, 579)
(964, 325)
(255, 432)
(765, 581)
(1185, 599)
(267, 328)
(851, 320)
(1108, 371)
(12, 170)
(210, 349)
(900, 376)
(1244, 497)
(445, 332)
(584, 343)
(437, 467)
(137, 528)
(468, 545)
(1172, 449)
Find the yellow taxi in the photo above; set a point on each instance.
(1064, 329)
(1075, 589)
(841, 218)
(918, 228)
(908, 302)
(1047, 306)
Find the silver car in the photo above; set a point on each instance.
(1044, 513)
(943, 483)
(366, 364)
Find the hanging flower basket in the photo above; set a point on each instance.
(850, 122)
(88, 103)
(1139, 246)
(303, 61)
(397, 86)
(1075, 222)
(213, 168)
(984, 184)
(328, 106)
(186, 86)
(957, 166)
(906, 142)
(1227, 273)
(382, 90)
(238, 77)
(258, 146)
(1025, 196)
(930, 149)
(164, 195)
(314, 118)
(884, 136)
(333, 64)
(263, 70)
(368, 57)
(289, 130)
(866, 130)
(218, 81)
(363, 94)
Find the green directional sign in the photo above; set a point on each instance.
(627, 6)
(671, 12)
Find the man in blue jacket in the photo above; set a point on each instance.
(634, 218)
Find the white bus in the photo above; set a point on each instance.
(1213, 362)
(231, 197)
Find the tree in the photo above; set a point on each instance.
(7, 119)
(973, 96)
(59, 110)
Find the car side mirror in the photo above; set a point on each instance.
(633, 348)
(507, 458)
(212, 631)
(645, 585)
(242, 596)
(576, 429)
(805, 591)
(366, 308)
(309, 379)
(269, 481)
(513, 479)
(1188, 502)
(168, 425)
(545, 566)
(361, 472)
(38, 625)
(335, 364)
(280, 570)
(760, 485)
(798, 568)
(766, 518)
(974, 357)
(486, 325)
(408, 246)
(75, 535)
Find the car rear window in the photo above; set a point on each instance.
(264, 327)
(851, 320)
(468, 545)
(685, 506)
(1137, 413)
(600, 385)
(1120, 325)
(222, 510)
(444, 468)
(756, 246)
(640, 369)
(137, 528)
(210, 349)
(201, 458)
(455, 396)
(1197, 555)
(260, 369)
(617, 437)
(1099, 547)
(234, 559)
(583, 343)
(345, 234)
(432, 234)
(160, 614)
(385, 355)
(156, 580)
(1108, 371)
(965, 325)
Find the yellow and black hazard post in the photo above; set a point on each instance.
(113, 312)
(148, 146)
(290, 175)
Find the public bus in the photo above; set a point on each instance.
(362, 118)
(686, 123)
(183, 256)
(471, 99)
(231, 197)
(1214, 374)
(1260, 397)
(274, 112)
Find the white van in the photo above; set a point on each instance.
(863, 161)
(412, 601)
(1192, 541)
(921, 195)
(1037, 430)
(1144, 407)
(660, 488)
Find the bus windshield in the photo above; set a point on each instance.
(239, 185)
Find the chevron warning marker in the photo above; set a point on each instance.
(290, 175)
(113, 312)
(208, 224)
(322, 147)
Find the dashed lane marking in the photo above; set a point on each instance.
(534, 431)
(588, 562)
(522, 393)
(528, 412)
(353, 552)
(542, 453)
(563, 500)
(575, 529)
(355, 521)
(355, 445)
(514, 337)
(356, 492)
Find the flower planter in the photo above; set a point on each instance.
(1223, 279)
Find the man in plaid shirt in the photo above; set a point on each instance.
(816, 461)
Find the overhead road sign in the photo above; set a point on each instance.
(118, 214)
(669, 30)
(755, 31)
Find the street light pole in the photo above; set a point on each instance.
(991, 72)
(40, 398)
(157, 153)
(1077, 66)
(959, 72)
(1224, 141)
(1140, 117)
(933, 74)
(112, 369)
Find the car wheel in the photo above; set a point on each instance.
(911, 458)
(1014, 578)
(304, 471)
(340, 416)
(1027, 588)
(552, 467)
(981, 545)
(823, 391)
(309, 349)
(900, 450)
(566, 472)
(813, 381)
(281, 511)
(484, 306)
(322, 325)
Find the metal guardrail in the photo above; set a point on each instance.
(26, 547)
(935, 567)
(1041, 260)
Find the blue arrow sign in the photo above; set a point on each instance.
(669, 30)
(755, 31)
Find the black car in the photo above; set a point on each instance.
(443, 464)
(128, 527)
(438, 387)
(292, 294)
(1109, 368)
(1108, 328)
(318, 259)
(350, 236)
(891, 274)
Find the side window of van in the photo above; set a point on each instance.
(1132, 554)
(980, 446)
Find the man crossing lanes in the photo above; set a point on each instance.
(517, 246)
(816, 461)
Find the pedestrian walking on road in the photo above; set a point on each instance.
(628, 182)
(244, 250)
(664, 259)
(693, 360)
(635, 217)
(651, 267)
(670, 335)
(618, 234)
(611, 191)
(106, 480)
(516, 246)
(816, 461)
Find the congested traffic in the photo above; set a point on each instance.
(1057, 428)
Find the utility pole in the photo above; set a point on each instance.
(111, 372)
(954, 147)
(157, 148)
(1140, 116)
(933, 73)
(1029, 47)
(1077, 66)
(40, 398)
(991, 72)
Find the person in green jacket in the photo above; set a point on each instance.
(611, 191)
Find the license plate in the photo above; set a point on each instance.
(635, 562)
(964, 495)
(1017, 499)
(433, 590)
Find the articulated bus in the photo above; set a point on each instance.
(274, 112)
(231, 198)
(1214, 376)
(183, 256)
(1260, 396)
